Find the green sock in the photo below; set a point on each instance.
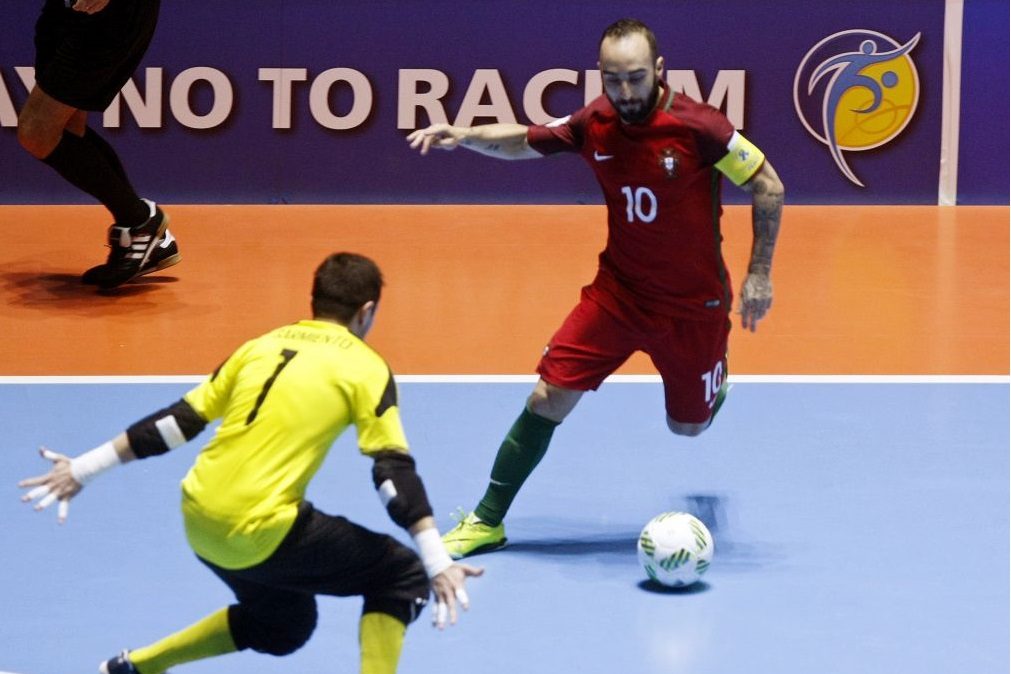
(523, 448)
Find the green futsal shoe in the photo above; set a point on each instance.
(471, 536)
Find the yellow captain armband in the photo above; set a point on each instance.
(742, 160)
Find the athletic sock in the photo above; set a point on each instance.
(85, 165)
(523, 448)
(203, 639)
(380, 637)
(91, 136)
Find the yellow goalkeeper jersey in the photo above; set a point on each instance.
(283, 399)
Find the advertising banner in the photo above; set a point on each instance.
(310, 102)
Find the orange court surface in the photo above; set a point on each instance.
(905, 290)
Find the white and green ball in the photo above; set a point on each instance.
(675, 549)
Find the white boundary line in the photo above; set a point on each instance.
(951, 101)
(531, 378)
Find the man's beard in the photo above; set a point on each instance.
(636, 111)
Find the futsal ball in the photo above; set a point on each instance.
(675, 549)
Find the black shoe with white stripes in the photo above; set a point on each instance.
(118, 665)
(164, 255)
(130, 249)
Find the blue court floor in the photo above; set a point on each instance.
(860, 529)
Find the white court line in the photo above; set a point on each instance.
(104, 379)
(531, 378)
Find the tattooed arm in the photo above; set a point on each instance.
(766, 211)
(503, 141)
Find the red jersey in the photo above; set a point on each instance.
(663, 200)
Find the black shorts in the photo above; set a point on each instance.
(83, 60)
(328, 555)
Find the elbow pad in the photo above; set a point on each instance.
(399, 487)
(165, 430)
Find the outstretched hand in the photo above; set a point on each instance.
(442, 136)
(449, 589)
(56, 485)
(756, 298)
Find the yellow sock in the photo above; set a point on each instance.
(381, 636)
(203, 639)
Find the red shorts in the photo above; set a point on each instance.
(593, 342)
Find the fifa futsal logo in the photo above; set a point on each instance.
(856, 90)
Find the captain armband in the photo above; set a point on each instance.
(399, 487)
(164, 430)
(742, 160)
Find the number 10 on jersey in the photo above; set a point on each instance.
(640, 203)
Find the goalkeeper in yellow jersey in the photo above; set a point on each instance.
(283, 398)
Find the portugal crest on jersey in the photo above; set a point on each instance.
(669, 162)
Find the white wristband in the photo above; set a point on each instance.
(432, 552)
(91, 464)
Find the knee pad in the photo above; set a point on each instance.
(282, 633)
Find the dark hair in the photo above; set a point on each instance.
(625, 27)
(342, 284)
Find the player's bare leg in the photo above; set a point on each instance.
(685, 429)
(43, 120)
(552, 402)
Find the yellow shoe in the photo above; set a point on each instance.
(472, 535)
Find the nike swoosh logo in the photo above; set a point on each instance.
(602, 157)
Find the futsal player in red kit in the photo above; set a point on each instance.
(662, 286)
